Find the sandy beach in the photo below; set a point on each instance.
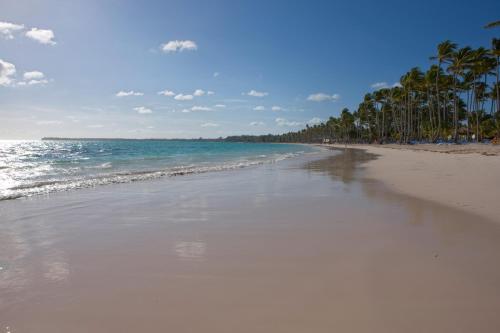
(164, 166)
(311, 244)
(465, 177)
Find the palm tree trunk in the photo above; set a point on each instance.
(470, 106)
(455, 110)
(437, 96)
(498, 98)
(430, 107)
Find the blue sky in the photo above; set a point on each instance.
(303, 61)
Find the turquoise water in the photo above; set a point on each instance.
(36, 167)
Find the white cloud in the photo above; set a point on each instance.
(216, 74)
(379, 85)
(200, 108)
(259, 108)
(32, 78)
(179, 45)
(122, 93)
(284, 122)
(34, 75)
(143, 110)
(7, 71)
(186, 111)
(166, 93)
(256, 93)
(199, 92)
(320, 97)
(315, 121)
(277, 108)
(96, 126)
(44, 36)
(257, 123)
(49, 122)
(220, 106)
(209, 125)
(33, 82)
(181, 97)
(7, 28)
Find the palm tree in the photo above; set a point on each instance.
(429, 83)
(495, 52)
(346, 123)
(397, 107)
(445, 51)
(460, 62)
(468, 84)
(368, 111)
(377, 99)
(482, 66)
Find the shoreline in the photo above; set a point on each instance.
(461, 177)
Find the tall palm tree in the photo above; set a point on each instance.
(397, 106)
(468, 84)
(495, 51)
(445, 51)
(460, 62)
(346, 122)
(482, 65)
(429, 84)
(377, 99)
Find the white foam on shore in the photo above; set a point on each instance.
(57, 185)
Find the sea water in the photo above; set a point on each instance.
(43, 166)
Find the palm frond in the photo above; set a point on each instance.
(492, 25)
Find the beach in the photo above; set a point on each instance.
(249, 167)
(313, 243)
(464, 177)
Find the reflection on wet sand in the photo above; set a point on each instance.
(344, 165)
(22, 240)
(190, 250)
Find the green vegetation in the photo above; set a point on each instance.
(456, 99)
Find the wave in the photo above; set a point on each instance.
(57, 185)
(106, 165)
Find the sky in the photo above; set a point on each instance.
(189, 69)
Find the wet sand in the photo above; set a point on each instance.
(304, 245)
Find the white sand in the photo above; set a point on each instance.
(468, 180)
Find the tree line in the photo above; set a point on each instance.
(456, 99)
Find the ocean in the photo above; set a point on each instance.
(43, 166)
